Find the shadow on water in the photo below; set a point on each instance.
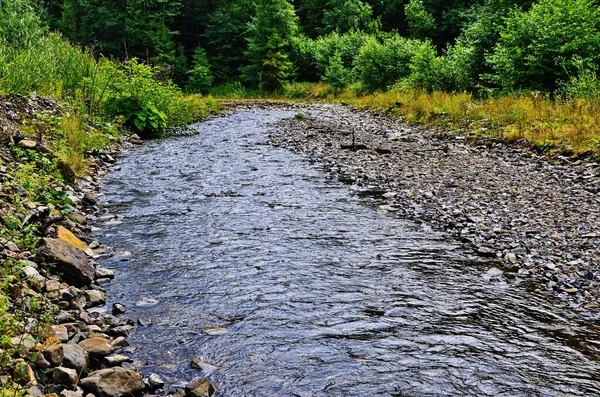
(250, 259)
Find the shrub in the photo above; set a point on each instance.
(135, 95)
(346, 46)
(303, 57)
(538, 48)
(381, 64)
(20, 26)
(584, 85)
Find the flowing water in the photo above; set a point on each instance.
(249, 258)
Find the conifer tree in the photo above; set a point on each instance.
(269, 40)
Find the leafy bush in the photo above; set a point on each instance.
(334, 45)
(584, 85)
(142, 102)
(381, 64)
(336, 75)
(20, 26)
(303, 57)
(538, 48)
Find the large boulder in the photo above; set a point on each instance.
(68, 237)
(71, 263)
(114, 382)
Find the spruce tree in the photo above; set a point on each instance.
(269, 40)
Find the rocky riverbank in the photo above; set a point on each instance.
(60, 338)
(539, 217)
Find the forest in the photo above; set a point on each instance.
(487, 47)
(519, 69)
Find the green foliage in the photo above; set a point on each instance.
(336, 75)
(380, 64)
(225, 38)
(303, 57)
(538, 48)
(344, 16)
(420, 21)
(334, 45)
(585, 84)
(136, 96)
(200, 76)
(269, 39)
(20, 26)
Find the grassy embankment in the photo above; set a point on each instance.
(569, 127)
(97, 102)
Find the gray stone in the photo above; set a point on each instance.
(65, 376)
(155, 382)
(75, 356)
(95, 298)
(71, 263)
(54, 354)
(72, 393)
(116, 360)
(114, 382)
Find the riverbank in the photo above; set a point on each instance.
(58, 336)
(539, 216)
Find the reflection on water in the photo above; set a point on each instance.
(318, 293)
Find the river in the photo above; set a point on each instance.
(250, 258)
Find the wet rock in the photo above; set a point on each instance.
(205, 367)
(71, 263)
(199, 387)
(114, 382)
(120, 342)
(215, 330)
(155, 382)
(104, 273)
(118, 308)
(97, 346)
(65, 376)
(116, 360)
(75, 356)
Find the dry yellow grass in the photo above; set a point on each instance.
(568, 126)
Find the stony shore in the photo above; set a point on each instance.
(82, 350)
(538, 217)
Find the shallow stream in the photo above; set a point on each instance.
(249, 258)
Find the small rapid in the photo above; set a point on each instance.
(249, 258)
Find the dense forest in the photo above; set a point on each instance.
(480, 46)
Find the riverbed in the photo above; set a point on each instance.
(288, 282)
